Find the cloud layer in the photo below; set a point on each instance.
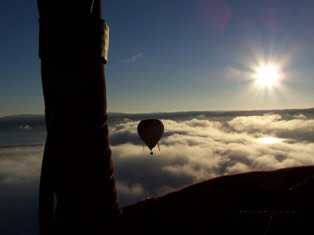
(19, 183)
(191, 151)
(195, 150)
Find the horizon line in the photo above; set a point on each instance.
(182, 111)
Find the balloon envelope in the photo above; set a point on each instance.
(150, 131)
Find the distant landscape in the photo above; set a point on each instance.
(38, 121)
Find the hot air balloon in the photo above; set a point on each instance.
(150, 131)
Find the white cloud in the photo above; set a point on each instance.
(300, 128)
(133, 58)
(26, 127)
(129, 191)
(299, 116)
(133, 190)
(19, 164)
(253, 123)
(19, 184)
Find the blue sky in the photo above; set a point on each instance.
(176, 55)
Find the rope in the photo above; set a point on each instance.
(269, 221)
(92, 6)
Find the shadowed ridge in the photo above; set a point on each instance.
(206, 205)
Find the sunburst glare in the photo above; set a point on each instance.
(268, 75)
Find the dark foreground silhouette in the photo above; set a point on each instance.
(235, 204)
(77, 166)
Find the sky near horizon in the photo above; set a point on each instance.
(176, 55)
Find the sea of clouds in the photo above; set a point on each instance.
(191, 150)
(197, 149)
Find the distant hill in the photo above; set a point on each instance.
(17, 122)
(38, 121)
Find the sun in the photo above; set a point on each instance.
(268, 75)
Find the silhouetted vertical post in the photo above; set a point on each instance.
(77, 165)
